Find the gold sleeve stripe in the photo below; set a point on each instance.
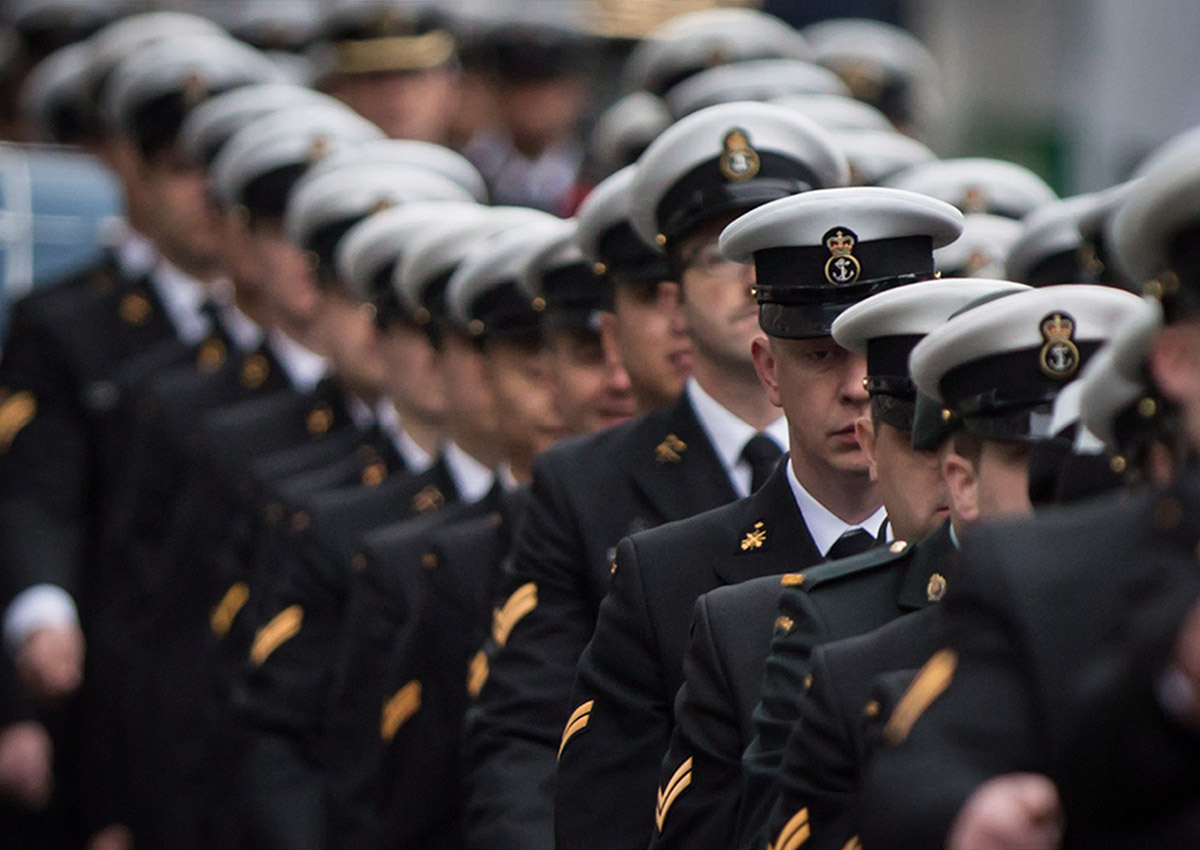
(853, 844)
(283, 627)
(931, 682)
(794, 833)
(16, 412)
(477, 674)
(668, 795)
(523, 601)
(399, 709)
(576, 723)
(227, 609)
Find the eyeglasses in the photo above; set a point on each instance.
(707, 259)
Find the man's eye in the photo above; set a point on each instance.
(821, 354)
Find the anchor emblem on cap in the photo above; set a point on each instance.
(842, 267)
(1059, 358)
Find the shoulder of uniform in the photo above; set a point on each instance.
(835, 571)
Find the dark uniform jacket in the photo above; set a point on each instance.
(285, 692)
(419, 800)
(1034, 607)
(613, 744)
(387, 601)
(54, 376)
(723, 674)
(830, 743)
(586, 495)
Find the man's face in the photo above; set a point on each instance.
(182, 220)
(819, 385)
(646, 333)
(1003, 480)
(414, 376)
(989, 484)
(290, 284)
(470, 398)
(240, 257)
(718, 305)
(351, 341)
(521, 377)
(404, 104)
(910, 482)
(539, 113)
(591, 392)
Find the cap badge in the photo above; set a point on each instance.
(975, 200)
(842, 267)
(1059, 358)
(195, 88)
(740, 161)
(319, 149)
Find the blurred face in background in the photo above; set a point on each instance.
(414, 377)
(179, 216)
(416, 105)
(521, 376)
(646, 334)
(591, 392)
(352, 343)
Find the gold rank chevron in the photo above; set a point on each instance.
(399, 709)
(794, 833)
(576, 723)
(523, 601)
(669, 793)
(931, 682)
(283, 627)
(853, 844)
(477, 674)
(16, 412)
(227, 609)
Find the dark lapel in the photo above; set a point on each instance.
(936, 554)
(767, 535)
(675, 466)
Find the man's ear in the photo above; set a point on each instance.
(864, 432)
(767, 365)
(962, 484)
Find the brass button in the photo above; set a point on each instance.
(429, 560)
(871, 709)
(898, 547)
(301, 521)
(1118, 464)
(792, 580)
(784, 624)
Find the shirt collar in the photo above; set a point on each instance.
(242, 331)
(471, 478)
(727, 433)
(135, 254)
(416, 459)
(304, 368)
(825, 526)
(182, 297)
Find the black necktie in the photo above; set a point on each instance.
(216, 328)
(851, 543)
(762, 453)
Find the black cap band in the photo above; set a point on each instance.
(799, 300)
(574, 287)
(266, 196)
(887, 366)
(503, 310)
(706, 191)
(626, 256)
(1016, 387)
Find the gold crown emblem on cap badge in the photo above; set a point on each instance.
(740, 161)
(842, 267)
(1059, 358)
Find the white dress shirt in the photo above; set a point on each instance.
(471, 478)
(181, 296)
(304, 369)
(825, 526)
(416, 459)
(728, 435)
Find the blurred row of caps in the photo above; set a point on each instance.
(666, 42)
(144, 73)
